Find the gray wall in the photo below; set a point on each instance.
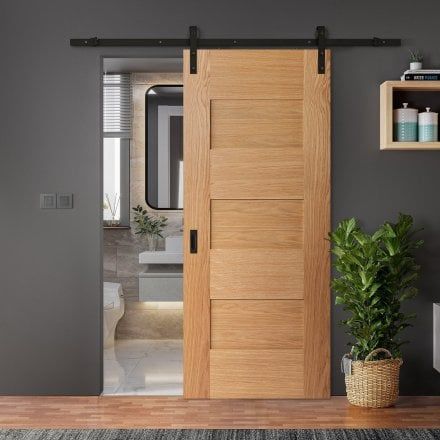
(49, 136)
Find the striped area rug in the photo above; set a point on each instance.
(219, 434)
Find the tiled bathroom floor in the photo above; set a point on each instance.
(143, 367)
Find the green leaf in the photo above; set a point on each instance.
(351, 224)
(378, 234)
(374, 288)
(375, 301)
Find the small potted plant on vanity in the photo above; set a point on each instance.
(415, 60)
(376, 274)
(149, 226)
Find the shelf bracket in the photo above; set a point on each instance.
(193, 43)
(321, 36)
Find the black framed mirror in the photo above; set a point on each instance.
(164, 147)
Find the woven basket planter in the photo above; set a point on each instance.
(374, 384)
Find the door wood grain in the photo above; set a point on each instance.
(256, 74)
(255, 324)
(256, 173)
(249, 123)
(257, 374)
(256, 224)
(252, 274)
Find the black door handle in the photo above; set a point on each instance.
(193, 241)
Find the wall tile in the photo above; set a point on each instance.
(128, 261)
(120, 237)
(109, 261)
(137, 170)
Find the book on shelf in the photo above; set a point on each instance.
(421, 75)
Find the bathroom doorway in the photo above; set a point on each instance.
(143, 225)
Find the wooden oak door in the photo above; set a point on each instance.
(257, 191)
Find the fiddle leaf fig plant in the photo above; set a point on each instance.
(377, 273)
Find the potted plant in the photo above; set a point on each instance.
(376, 274)
(416, 59)
(149, 226)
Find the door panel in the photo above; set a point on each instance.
(256, 224)
(256, 374)
(247, 324)
(252, 274)
(257, 190)
(257, 173)
(256, 123)
(250, 74)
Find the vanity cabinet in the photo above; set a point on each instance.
(161, 286)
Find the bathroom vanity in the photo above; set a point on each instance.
(163, 278)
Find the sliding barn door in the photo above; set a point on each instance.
(257, 210)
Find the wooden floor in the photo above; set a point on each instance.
(171, 412)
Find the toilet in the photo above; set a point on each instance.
(113, 311)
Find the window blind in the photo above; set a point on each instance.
(117, 105)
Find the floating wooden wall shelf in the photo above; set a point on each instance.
(419, 94)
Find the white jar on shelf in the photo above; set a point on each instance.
(405, 124)
(428, 126)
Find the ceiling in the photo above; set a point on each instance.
(131, 65)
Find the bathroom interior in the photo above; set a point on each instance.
(143, 223)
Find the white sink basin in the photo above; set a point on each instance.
(173, 253)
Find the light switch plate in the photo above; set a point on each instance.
(48, 201)
(65, 201)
